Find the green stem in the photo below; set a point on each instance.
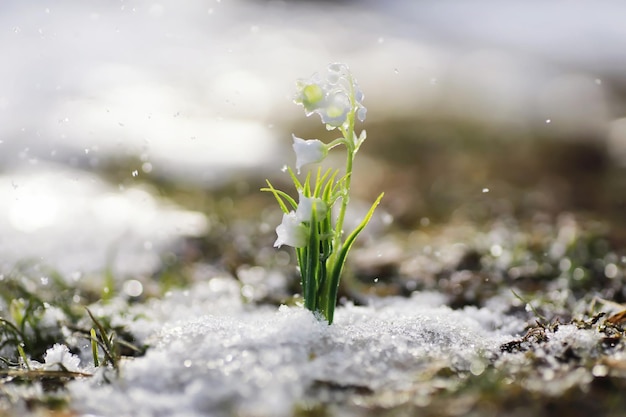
(335, 262)
(348, 136)
(345, 197)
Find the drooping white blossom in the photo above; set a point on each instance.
(336, 109)
(291, 232)
(333, 96)
(308, 151)
(311, 94)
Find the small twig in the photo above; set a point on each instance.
(42, 373)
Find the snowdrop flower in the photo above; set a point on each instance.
(337, 71)
(305, 208)
(339, 74)
(291, 232)
(332, 97)
(308, 151)
(311, 94)
(335, 112)
(59, 358)
(313, 228)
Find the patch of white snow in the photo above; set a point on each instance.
(209, 359)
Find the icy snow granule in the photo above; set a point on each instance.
(577, 339)
(59, 358)
(260, 361)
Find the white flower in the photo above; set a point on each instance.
(59, 358)
(305, 208)
(332, 97)
(308, 151)
(336, 109)
(311, 94)
(294, 230)
(337, 71)
(291, 231)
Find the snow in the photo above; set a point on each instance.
(556, 360)
(59, 358)
(213, 355)
(196, 93)
(72, 221)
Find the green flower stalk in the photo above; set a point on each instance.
(319, 240)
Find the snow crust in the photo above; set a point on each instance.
(216, 356)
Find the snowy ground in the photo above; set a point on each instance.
(215, 356)
(200, 94)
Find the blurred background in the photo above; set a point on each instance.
(136, 134)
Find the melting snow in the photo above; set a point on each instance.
(213, 355)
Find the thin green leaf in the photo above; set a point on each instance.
(352, 237)
(106, 341)
(339, 187)
(12, 327)
(303, 257)
(294, 178)
(306, 190)
(278, 194)
(313, 259)
(326, 195)
(320, 181)
(94, 347)
(20, 350)
(326, 245)
(341, 259)
(97, 323)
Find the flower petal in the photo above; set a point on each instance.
(291, 232)
(305, 208)
(333, 96)
(308, 151)
(361, 113)
(310, 94)
(336, 109)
